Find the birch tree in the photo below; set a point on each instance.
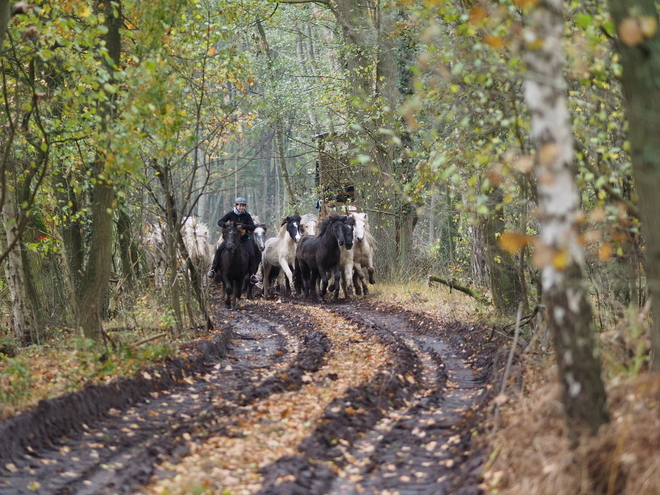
(559, 254)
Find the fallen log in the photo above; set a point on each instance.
(458, 287)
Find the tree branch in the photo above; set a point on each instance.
(460, 288)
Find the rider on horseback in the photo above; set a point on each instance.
(239, 215)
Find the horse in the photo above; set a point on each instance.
(258, 239)
(320, 253)
(234, 263)
(196, 240)
(363, 250)
(280, 252)
(309, 222)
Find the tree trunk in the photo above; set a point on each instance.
(171, 245)
(559, 253)
(90, 296)
(640, 57)
(126, 249)
(505, 285)
(91, 293)
(24, 321)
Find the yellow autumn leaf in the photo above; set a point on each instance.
(513, 242)
(525, 3)
(212, 51)
(605, 251)
(83, 10)
(561, 259)
(494, 41)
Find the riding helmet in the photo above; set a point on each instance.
(240, 201)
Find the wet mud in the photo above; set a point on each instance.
(412, 433)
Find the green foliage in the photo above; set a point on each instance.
(15, 381)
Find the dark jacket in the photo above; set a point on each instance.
(244, 218)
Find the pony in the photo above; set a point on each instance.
(196, 241)
(258, 239)
(309, 222)
(196, 237)
(280, 252)
(234, 263)
(363, 250)
(318, 254)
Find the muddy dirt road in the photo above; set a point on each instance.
(287, 398)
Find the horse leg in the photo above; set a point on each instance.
(324, 283)
(331, 286)
(295, 282)
(370, 269)
(357, 272)
(265, 272)
(314, 274)
(289, 274)
(356, 282)
(228, 292)
(237, 293)
(360, 280)
(337, 274)
(347, 283)
(297, 277)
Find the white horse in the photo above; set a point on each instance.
(196, 238)
(280, 252)
(364, 246)
(309, 222)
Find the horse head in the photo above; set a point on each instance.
(308, 224)
(360, 225)
(259, 235)
(231, 233)
(293, 227)
(348, 225)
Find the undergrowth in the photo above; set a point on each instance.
(64, 362)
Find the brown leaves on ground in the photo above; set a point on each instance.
(273, 428)
(530, 453)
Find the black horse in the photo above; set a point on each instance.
(318, 254)
(234, 263)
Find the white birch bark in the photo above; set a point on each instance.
(559, 253)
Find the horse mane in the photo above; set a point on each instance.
(308, 217)
(332, 217)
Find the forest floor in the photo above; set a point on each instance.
(284, 397)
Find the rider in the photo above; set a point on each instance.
(239, 215)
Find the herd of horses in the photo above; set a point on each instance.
(305, 253)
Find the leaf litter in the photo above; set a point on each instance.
(283, 404)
